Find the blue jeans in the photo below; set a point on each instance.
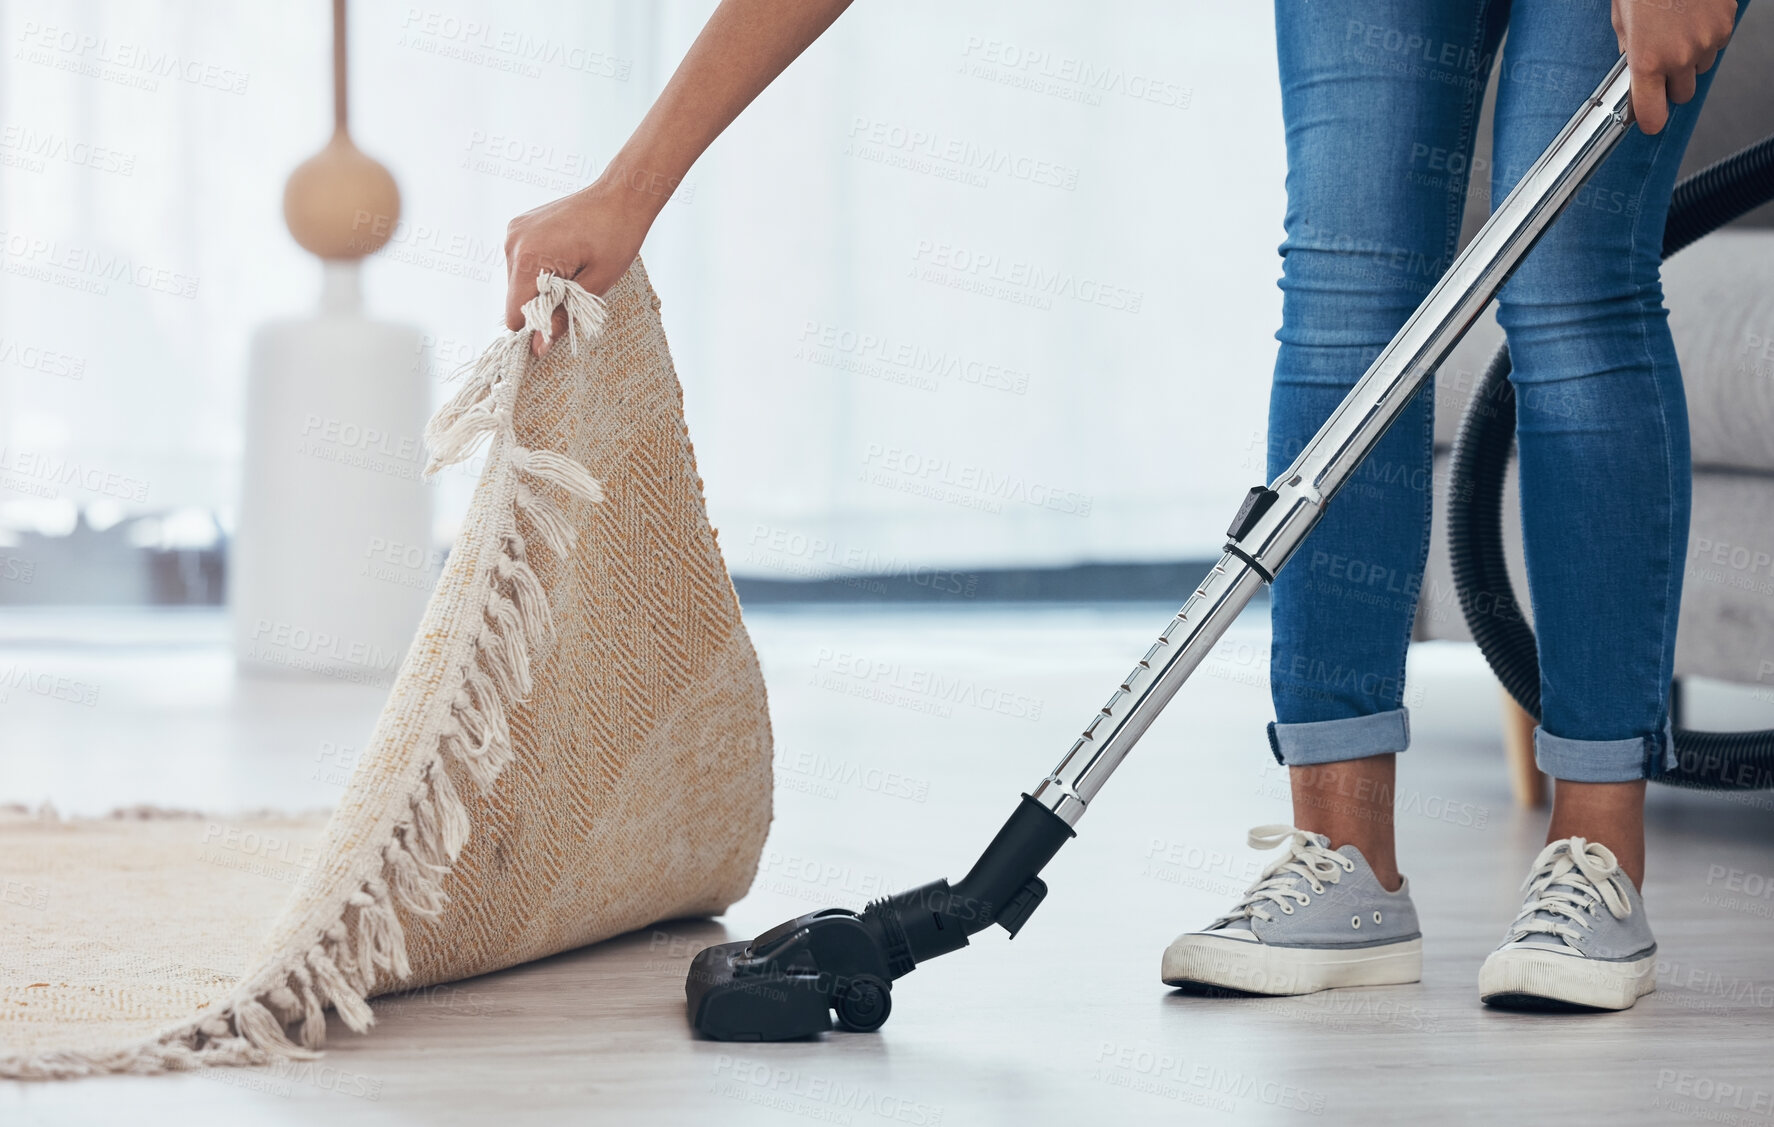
(1381, 100)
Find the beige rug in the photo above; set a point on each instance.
(576, 745)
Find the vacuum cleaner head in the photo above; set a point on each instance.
(791, 980)
(787, 982)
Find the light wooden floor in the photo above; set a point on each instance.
(1069, 1023)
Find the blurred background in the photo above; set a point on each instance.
(974, 308)
(970, 288)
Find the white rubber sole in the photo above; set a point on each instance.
(1257, 968)
(1523, 978)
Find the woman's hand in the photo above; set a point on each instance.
(590, 237)
(1668, 45)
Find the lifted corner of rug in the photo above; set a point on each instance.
(577, 744)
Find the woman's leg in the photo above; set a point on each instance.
(1602, 429)
(1381, 98)
(1381, 102)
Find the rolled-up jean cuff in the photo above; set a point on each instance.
(1605, 761)
(1332, 741)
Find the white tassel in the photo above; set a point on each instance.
(262, 1029)
(381, 941)
(556, 532)
(482, 374)
(506, 663)
(531, 600)
(366, 931)
(313, 1031)
(489, 703)
(474, 747)
(463, 436)
(282, 1001)
(506, 619)
(337, 945)
(471, 721)
(585, 311)
(411, 882)
(546, 465)
(452, 815)
(347, 1001)
(426, 839)
(508, 625)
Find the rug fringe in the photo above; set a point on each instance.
(366, 944)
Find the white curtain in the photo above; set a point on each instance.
(971, 285)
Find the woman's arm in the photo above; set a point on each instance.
(592, 235)
(1668, 45)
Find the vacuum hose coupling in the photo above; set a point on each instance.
(1002, 888)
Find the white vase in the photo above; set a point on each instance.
(332, 560)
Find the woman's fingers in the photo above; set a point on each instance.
(1668, 47)
(523, 265)
(520, 286)
(1650, 102)
(532, 246)
(1681, 86)
(556, 326)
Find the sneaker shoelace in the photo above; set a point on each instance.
(1305, 861)
(1570, 877)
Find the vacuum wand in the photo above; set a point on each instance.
(787, 982)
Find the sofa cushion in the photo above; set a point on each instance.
(1720, 294)
(1727, 587)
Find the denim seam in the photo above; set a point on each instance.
(1422, 558)
(1654, 762)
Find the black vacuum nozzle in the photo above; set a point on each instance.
(791, 980)
(786, 983)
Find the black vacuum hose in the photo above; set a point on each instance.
(1719, 193)
(1701, 204)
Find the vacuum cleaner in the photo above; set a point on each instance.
(793, 980)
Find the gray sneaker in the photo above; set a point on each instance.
(1315, 919)
(1563, 952)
